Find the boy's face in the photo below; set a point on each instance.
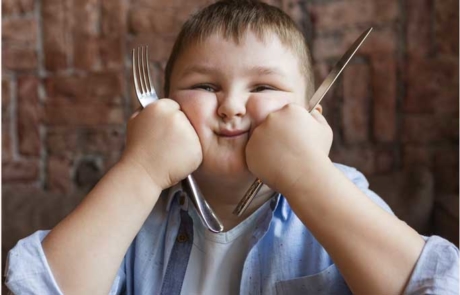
(227, 89)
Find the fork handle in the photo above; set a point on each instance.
(207, 216)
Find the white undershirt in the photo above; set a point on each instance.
(217, 259)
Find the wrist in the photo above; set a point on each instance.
(144, 186)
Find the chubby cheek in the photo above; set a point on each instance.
(260, 107)
(198, 108)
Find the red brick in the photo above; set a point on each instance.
(19, 31)
(20, 171)
(58, 176)
(190, 4)
(417, 154)
(432, 86)
(101, 140)
(426, 129)
(112, 53)
(95, 88)
(6, 121)
(164, 21)
(384, 85)
(114, 18)
(72, 114)
(340, 14)
(57, 21)
(384, 161)
(61, 141)
(29, 116)
(419, 27)
(159, 46)
(19, 58)
(356, 101)
(12, 7)
(446, 170)
(446, 27)
(362, 158)
(381, 41)
(86, 34)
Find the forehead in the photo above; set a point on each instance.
(264, 53)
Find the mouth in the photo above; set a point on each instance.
(232, 133)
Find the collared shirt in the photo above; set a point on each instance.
(284, 257)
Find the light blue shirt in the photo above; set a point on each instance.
(284, 257)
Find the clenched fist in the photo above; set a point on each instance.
(286, 146)
(163, 142)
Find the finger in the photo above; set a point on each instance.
(136, 113)
(319, 117)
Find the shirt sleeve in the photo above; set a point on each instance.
(27, 270)
(436, 271)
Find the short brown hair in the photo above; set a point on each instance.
(233, 18)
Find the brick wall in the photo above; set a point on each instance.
(67, 93)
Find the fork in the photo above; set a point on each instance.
(146, 95)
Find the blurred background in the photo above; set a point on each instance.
(67, 93)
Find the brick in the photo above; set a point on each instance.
(58, 174)
(94, 88)
(159, 46)
(164, 21)
(57, 44)
(381, 41)
(86, 34)
(112, 53)
(29, 116)
(425, 129)
(446, 27)
(432, 86)
(18, 58)
(190, 5)
(362, 158)
(446, 170)
(415, 154)
(6, 121)
(356, 101)
(20, 171)
(19, 31)
(353, 13)
(87, 173)
(14, 7)
(61, 141)
(72, 114)
(114, 18)
(384, 87)
(419, 27)
(385, 161)
(101, 140)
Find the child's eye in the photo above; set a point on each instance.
(205, 87)
(261, 88)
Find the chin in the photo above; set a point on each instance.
(234, 171)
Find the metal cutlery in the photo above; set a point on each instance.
(146, 95)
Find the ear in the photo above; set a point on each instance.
(319, 108)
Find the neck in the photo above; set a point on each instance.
(223, 195)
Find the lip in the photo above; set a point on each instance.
(231, 133)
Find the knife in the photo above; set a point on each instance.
(313, 102)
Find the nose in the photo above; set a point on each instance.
(232, 105)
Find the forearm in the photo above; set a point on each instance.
(375, 251)
(86, 249)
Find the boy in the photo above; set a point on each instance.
(237, 80)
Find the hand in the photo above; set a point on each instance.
(287, 145)
(162, 141)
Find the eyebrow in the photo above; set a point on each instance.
(206, 69)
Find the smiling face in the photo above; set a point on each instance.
(227, 89)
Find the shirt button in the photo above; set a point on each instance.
(182, 238)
